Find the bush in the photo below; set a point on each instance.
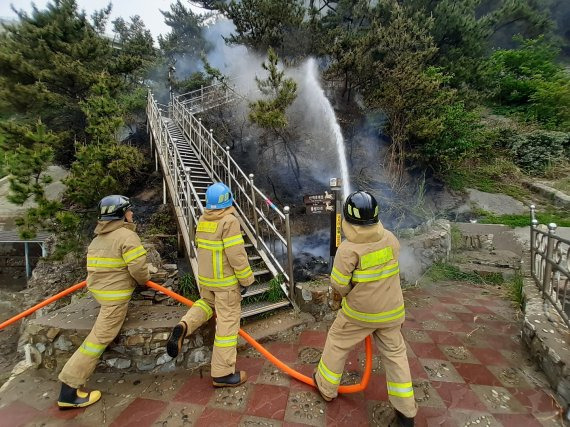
(459, 137)
(535, 151)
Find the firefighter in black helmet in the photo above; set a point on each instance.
(116, 262)
(367, 275)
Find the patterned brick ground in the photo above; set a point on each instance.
(466, 360)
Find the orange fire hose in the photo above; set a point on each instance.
(288, 370)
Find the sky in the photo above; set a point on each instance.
(147, 9)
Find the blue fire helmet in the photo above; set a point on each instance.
(218, 196)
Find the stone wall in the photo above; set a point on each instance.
(139, 347)
(13, 260)
(422, 246)
(548, 341)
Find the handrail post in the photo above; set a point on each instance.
(533, 225)
(189, 210)
(228, 163)
(211, 149)
(200, 145)
(548, 259)
(175, 166)
(255, 221)
(286, 211)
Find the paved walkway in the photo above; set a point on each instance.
(466, 359)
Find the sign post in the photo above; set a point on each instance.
(336, 217)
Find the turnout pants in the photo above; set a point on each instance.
(81, 365)
(228, 312)
(343, 336)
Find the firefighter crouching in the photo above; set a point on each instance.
(366, 274)
(116, 262)
(223, 274)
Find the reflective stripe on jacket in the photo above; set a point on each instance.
(366, 273)
(222, 259)
(116, 262)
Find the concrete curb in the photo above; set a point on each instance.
(558, 197)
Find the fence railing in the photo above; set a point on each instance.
(208, 97)
(269, 226)
(550, 265)
(184, 195)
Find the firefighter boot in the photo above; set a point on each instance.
(403, 421)
(324, 396)
(70, 397)
(231, 380)
(174, 344)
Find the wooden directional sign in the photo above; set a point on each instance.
(317, 199)
(320, 209)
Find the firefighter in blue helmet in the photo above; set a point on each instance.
(223, 272)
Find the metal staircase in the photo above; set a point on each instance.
(191, 159)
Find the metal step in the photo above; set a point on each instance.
(261, 272)
(256, 289)
(262, 307)
(254, 257)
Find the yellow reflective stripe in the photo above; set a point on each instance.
(134, 254)
(229, 341)
(92, 349)
(374, 275)
(385, 316)
(330, 376)
(217, 266)
(244, 274)
(99, 262)
(220, 283)
(207, 226)
(118, 295)
(400, 389)
(376, 258)
(206, 307)
(340, 278)
(209, 244)
(233, 240)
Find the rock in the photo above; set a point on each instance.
(498, 204)
(118, 363)
(160, 336)
(41, 347)
(52, 333)
(168, 367)
(162, 359)
(146, 364)
(199, 355)
(170, 267)
(148, 294)
(159, 297)
(135, 340)
(63, 344)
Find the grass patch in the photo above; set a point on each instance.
(275, 293)
(442, 271)
(188, 288)
(498, 175)
(524, 220)
(515, 290)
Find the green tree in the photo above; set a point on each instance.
(186, 36)
(395, 76)
(529, 82)
(29, 153)
(457, 136)
(270, 113)
(264, 24)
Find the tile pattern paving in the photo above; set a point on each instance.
(466, 360)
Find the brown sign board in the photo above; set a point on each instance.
(320, 209)
(314, 199)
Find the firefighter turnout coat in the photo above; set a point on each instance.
(116, 262)
(366, 274)
(222, 266)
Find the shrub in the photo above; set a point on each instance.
(535, 151)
